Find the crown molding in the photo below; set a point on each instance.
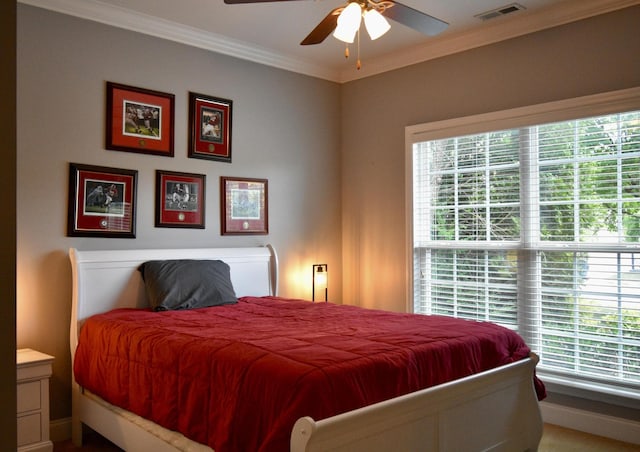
(492, 32)
(127, 19)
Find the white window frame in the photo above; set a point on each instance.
(563, 110)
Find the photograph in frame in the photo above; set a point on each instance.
(210, 127)
(139, 120)
(101, 201)
(244, 206)
(180, 199)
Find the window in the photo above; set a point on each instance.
(537, 228)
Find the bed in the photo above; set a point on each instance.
(496, 409)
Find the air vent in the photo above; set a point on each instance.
(502, 11)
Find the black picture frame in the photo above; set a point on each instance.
(139, 120)
(210, 121)
(180, 199)
(102, 201)
(244, 206)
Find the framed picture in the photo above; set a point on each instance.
(210, 127)
(244, 206)
(139, 120)
(102, 201)
(179, 200)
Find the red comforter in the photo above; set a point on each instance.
(237, 377)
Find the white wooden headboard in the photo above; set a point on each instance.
(105, 280)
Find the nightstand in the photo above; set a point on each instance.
(33, 372)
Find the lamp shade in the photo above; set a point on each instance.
(320, 280)
(321, 277)
(348, 23)
(375, 23)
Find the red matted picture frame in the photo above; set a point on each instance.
(102, 201)
(139, 120)
(210, 127)
(244, 206)
(180, 199)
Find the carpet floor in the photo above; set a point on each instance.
(558, 439)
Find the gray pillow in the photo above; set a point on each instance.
(187, 284)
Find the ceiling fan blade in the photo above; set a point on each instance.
(415, 19)
(237, 2)
(323, 29)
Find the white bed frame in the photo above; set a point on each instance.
(494, 410)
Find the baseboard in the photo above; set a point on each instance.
(589, 422)
(60, 429)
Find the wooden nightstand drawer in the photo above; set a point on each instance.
(29, 396)
(33, 370)
(29, 430)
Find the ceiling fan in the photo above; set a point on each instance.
(344, 21)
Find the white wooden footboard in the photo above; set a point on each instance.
(496, 410)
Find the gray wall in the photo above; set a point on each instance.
(285, 129)
(587, 57)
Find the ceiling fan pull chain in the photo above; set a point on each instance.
(346, 51)
(358, 65)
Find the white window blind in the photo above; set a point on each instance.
(538, 228)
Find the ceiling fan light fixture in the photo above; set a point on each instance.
(348, 23)
(345, 35)
(375, 23)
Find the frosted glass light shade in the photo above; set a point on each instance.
(375, 23)
(348, 23)
(320, 280)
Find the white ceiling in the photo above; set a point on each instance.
(270, 33)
